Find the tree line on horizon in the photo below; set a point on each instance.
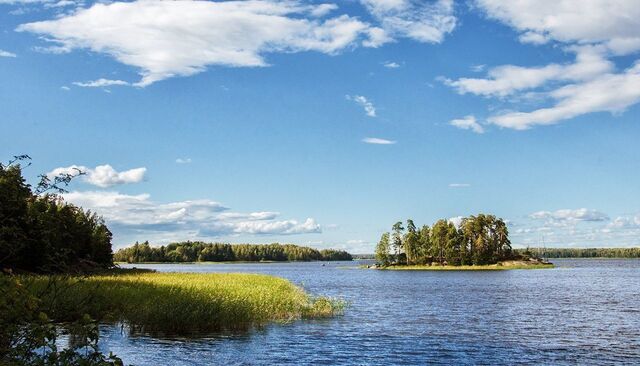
(478, 240)
(198, 251)
(582, 252)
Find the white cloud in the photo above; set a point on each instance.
(467, 123)
(65, 88)
(180, 38)
(285, 227)
(323, 9)
(459, 185)
(100, 83)
(625, 222)
(366, 104)
(140, 218)
(391, 65)
(595, 31)
(570, 215)
(533, 38)
(508, 79)
(59, 4)
(377, 141)
(254, 216)
(183, 160)
(420, 20)
(456, 220)
(102, 175)
(4, 53)
(577, 99)
(576, 228)
(615, 24)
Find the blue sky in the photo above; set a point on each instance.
(323, 123)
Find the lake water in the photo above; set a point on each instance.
(584, 311)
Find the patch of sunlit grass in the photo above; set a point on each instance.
(176, 302)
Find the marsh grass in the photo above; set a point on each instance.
(179, 302)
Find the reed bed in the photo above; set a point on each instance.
(179, 302)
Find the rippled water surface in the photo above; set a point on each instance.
(582, 312)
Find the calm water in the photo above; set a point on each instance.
(583, 312)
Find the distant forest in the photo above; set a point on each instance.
(221, 252)
(481, 239)
(583, 252)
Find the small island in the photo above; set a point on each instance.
(478, 242)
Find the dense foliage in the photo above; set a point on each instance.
(582, 252)
(481, 239)
(41, 233)
(220, 252)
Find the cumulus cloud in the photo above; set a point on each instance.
(138, 215)
(164, 39)
(612, 23)
(625, 222)
(508, 79)
(103, 175)
(570, 215)
(100, 83)
(595, 31)
(420, 20)
(577, 99)
(377, 141)
(4, 53)
(366, 104)
(467, 123)
(576, 227)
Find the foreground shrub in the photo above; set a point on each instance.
(29, 337)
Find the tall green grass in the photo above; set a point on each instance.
(179, 302)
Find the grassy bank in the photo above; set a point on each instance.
(489, 267)
(179, 302)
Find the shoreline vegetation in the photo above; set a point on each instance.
(478, 242)
(500, 266)
(583, 252)
(179, 303)
(198, 252)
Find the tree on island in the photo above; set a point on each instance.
(382, 250)
(480, 239)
